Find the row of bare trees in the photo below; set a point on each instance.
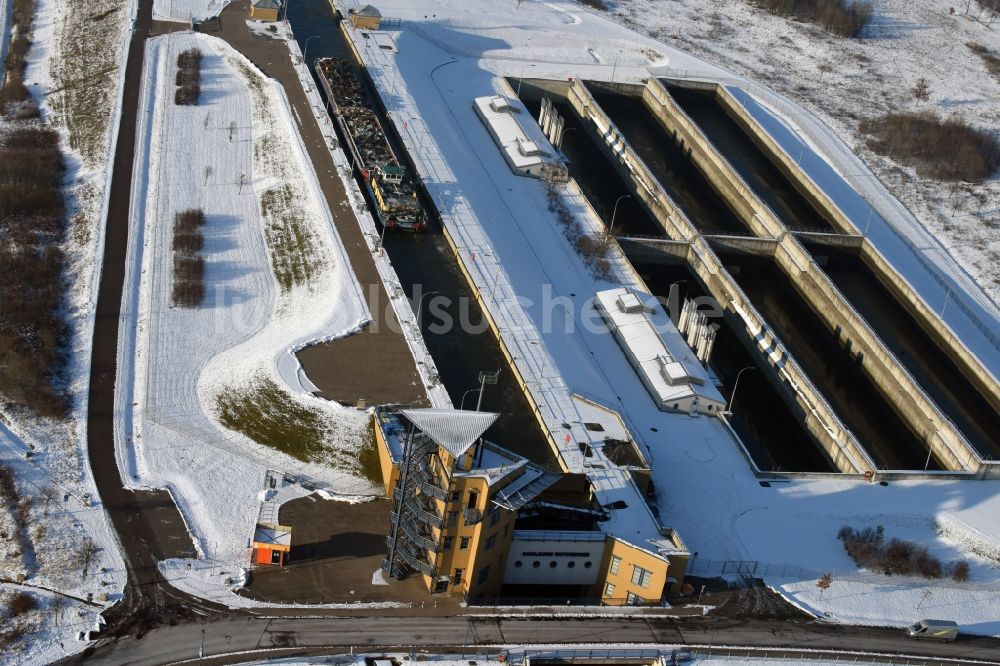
(189, 266)
(188, 78)
(15, 100)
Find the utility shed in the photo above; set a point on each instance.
(368, 17)
(264, 10)
(515, 133)
(271, 544)
(666, 365)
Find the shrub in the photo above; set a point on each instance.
(188, 78)
(989, 58)
(187, 95)
(189, 269)
(946, 149)
(845, 18)
(22, 603)
(960, 571)
(867, 548)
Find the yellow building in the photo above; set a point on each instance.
(264, 10)
(368, 18)
(477, 520)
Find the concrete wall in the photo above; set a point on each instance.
(841, 446)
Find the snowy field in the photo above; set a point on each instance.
(705, 488)
(187, 10)
(61, 527)
(225, 156)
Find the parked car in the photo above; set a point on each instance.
(935, 630)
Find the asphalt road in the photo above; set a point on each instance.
(168, 644)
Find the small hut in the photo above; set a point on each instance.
(271, 544)
(367, 17)
(264, 10)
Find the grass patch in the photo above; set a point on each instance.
(844, 18)
(271, 417)
(371, 466)
(945, 149)
(989, 58)
(293, 260)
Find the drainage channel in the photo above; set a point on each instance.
(930, 365)
(670, 165)
(425, 264)
(833, 369)
(764, 415)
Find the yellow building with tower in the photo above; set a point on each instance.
(476, 520)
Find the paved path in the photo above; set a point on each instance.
(376, 364)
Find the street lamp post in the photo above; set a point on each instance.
(461, 404)
(564, 133)
(305, 49)
(614, 213)
(420, 304)
(736, 385)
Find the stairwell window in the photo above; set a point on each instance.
(456, 579)
(641, 577)
(463, 543)
(449, 542)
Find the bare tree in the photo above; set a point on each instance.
(48, 493)
(824, 583)
(922, 90)
(85, 554)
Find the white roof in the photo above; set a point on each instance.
(524, 144)
(368, 10)
(266, 4)
(674, 374)
(454, 429)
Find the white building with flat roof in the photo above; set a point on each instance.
(523, 145)
(670, 372)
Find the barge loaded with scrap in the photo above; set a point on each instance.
(390, 186)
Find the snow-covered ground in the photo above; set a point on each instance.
(87, 118)
(539, 290)
(187, 10)
(223, 156)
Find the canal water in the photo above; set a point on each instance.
(426, 264)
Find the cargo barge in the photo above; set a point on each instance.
(390, 186)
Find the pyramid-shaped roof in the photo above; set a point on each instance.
(266, 4)
(454, 429)
(368, 10)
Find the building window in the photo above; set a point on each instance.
(463, 543)
(609, 590)
(641, 577)
(588, 564)
(494, 516)
(457, 578)
(484, 575)
(615, 563)
(473, 499)
(634, 600)
(552, 564)
(571, 564)
(448, 542)
(452, 518)
(517, 564)
(456, 496)
(536, 564)
(491, 541)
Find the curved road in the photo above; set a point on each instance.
(157, 624)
